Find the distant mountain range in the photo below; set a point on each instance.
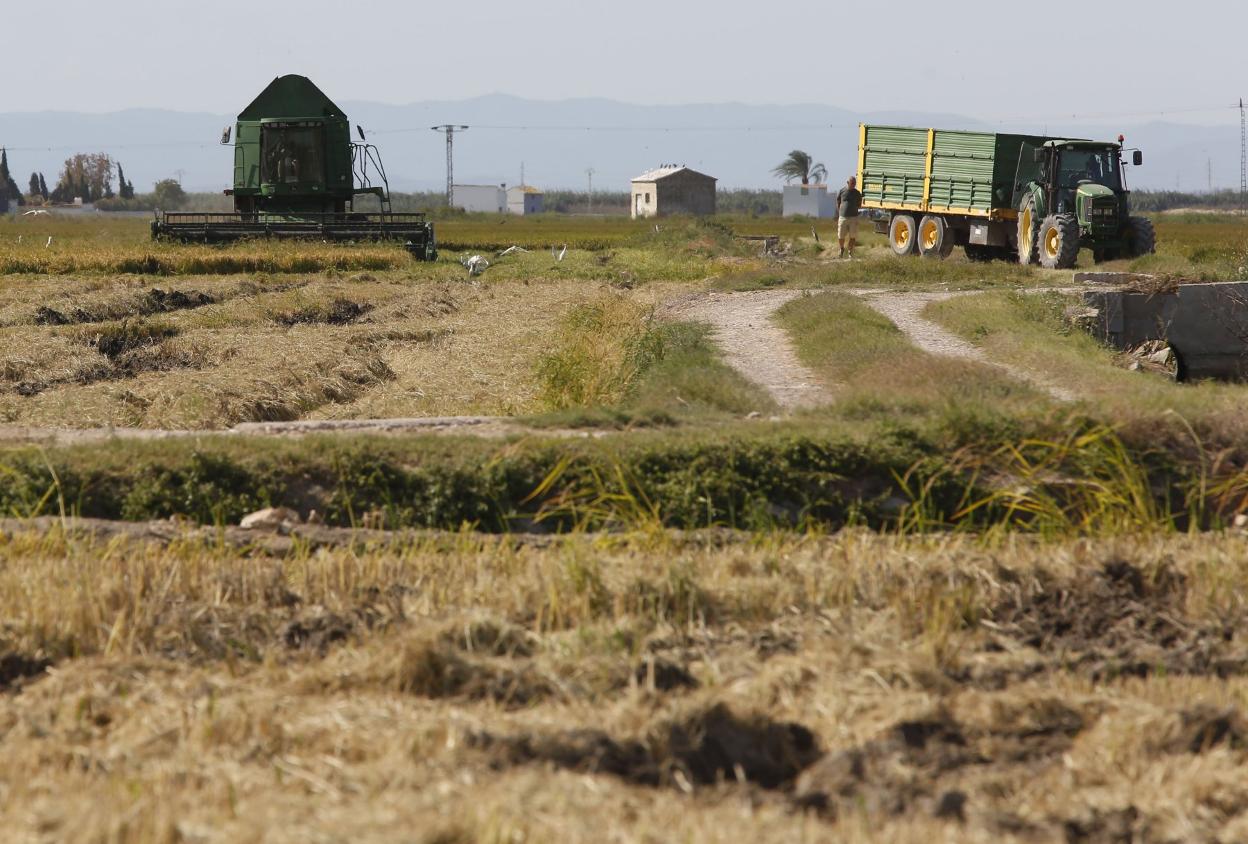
(558, 141)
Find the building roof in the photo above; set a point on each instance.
(668, 170)
(525, 189)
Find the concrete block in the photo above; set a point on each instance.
(1205, 324)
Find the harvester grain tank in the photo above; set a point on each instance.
(297, 174)
(1033, 198)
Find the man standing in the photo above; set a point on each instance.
(848, 202)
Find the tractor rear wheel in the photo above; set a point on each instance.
(902, 235)
(1028, 225)
(1141, 236)
(1059, 241)
(935, 237)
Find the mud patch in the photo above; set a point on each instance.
(708, 746)
(1124, 825)
(316, 633)
(1202, 728)
(897, 773)
(116, 340)
(16, 669)
(338, 312)
(154, 301)
(663, 675)
(1115, 621)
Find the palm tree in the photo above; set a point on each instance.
(799, 165)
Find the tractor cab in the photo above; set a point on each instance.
(1085, 179)
(1075, 198)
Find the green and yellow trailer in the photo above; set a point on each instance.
(998, 195)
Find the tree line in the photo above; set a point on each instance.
(89, 177)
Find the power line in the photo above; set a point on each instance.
(791, 127)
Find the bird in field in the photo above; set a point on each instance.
(36, 212)
(49, 243)
(562, 252)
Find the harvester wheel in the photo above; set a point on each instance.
(1059, 241)
(1100, 256)
(1028, 225)
(935, 237)
(1141, 235)
(902, 235)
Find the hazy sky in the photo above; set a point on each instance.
(997, 61)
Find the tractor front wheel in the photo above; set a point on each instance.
(1059, 241)
(1141, 236)
(1027, 228)
(902, 237)
(936, 239)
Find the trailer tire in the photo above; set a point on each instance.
(1142, 236)
(1059, 241)
(936, 238)
(1028, 226)
(903, 235)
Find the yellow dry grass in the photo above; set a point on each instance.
(464, 688)
(268, 348)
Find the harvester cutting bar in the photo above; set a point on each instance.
(412, 228)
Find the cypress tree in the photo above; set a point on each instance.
(8, 187)
(34, 185)
(124, 189)
(43, 187)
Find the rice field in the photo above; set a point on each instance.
(945, 606)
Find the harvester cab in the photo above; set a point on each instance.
(297, 174)
(1077, 199)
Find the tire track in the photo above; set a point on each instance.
(756, 347)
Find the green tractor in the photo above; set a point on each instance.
(1078, 199)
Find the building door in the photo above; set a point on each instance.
(636, 205)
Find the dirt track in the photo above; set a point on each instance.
(761, 351)
(757, 347)
(905, 311)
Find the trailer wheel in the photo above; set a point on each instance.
(936, 239)
(1142, 236)
(1059, 241)
(902, 237)
(1027, 227)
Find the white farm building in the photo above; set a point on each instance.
(490, 199)
(810, 200)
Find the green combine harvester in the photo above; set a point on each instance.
(1025, 197)
(297, 174)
